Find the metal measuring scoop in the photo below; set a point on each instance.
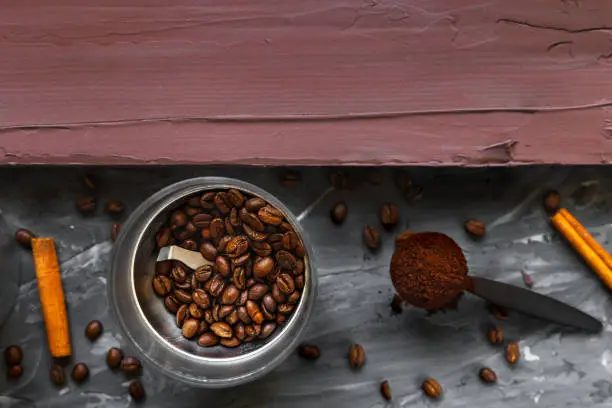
(192, 259)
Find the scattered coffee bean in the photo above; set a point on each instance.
(356, 356)
(338, 179)
(24, 237)
(396, 304)
(114, 207)
(115, 230)
(130, 365)
(389, 215)
(208, 340)
(222, 330)
(231, 342)
(171, 304)
(371, 237)
(475, 227)
(57, 376)
(86, 205)
(162, 285)
(93, 330)
(190, 328)
(487, 375)
(266, 330)
(13, 355)
(254, 312)
(338, 212)
(290, 179)
(80, 372)
(208, 251)
(14, 371)
(552, 199)
(495, 335)
(512, 353)
(499, 312)
(385, 390)
(136, 390)
(432, 388)
(114, 357)
(309, 352)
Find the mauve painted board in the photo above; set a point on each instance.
(392, 82)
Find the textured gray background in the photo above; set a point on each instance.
(559, 367)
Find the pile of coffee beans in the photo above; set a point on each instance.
(12, 357)
(255, 276)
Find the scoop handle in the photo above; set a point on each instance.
(192, 259)
(532, 303)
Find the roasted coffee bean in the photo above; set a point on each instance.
(371, 237)
(115, 230)
(269, 303)
(309, 352)
(266, 330)
(223, 266)
(257, 328)
(251, 232)
(270, 215)
(290, 240)
(234, 219)
(189, 244)
(385, 390)
(495, 335)
(239, 277)
(130, 366)
(237, 246)
(184, 286)
(285, 283)
(221, 329)
(230, 295)
(93, 330)
(114, 207)
(178, 219)
(293, 298)
(552, 199)
(182, 296)
(235, 198)
(285, 308)
(114, 357)
(244, 296)
(195, 311)
(207, 201)
(389, 215)
(208, 316)
(268, 315)
(487, 375)
(221, 202)
(232, 318)
(356, 356)
(191, 211)
(229, 227)
(280, 319)
(202, 327)
(239, 332)
(475, 227)
(57, 375)
(217, 285)
(299, 267)
(24, 237)
(162, 285)
(208, 340)
(257, 292)
(254, 204)
(286, 260)
(243, 315)
(136, 390)
(290, 179)
(396, 304)
(338, 212)
(179, 273)
(250, 282)
(217, 228)
(190, 328)
(338, 179)
(262, 267)
(13, 355)
(225, 311)
(241, 260)
(194, 202)
(261, 248)
(223, 243)
(86, 205)
(415, 193)
(80, 372)
(300, 250)
(499, 312)
(512, 353)
(171, 304)
(208, 251)
(14, 371)
(181, 315)
(231, 342)
(203, 273)
(276, 241)
(254, 312)
(201, 298)
(202, 220)
(250, 334)
(162, 238)
(299, 281)
(431, 388)
(278, 296)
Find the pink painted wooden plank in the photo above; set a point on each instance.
(306, 81)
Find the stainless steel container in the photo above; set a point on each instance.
(152, 329)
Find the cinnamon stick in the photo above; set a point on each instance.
(587, 237)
